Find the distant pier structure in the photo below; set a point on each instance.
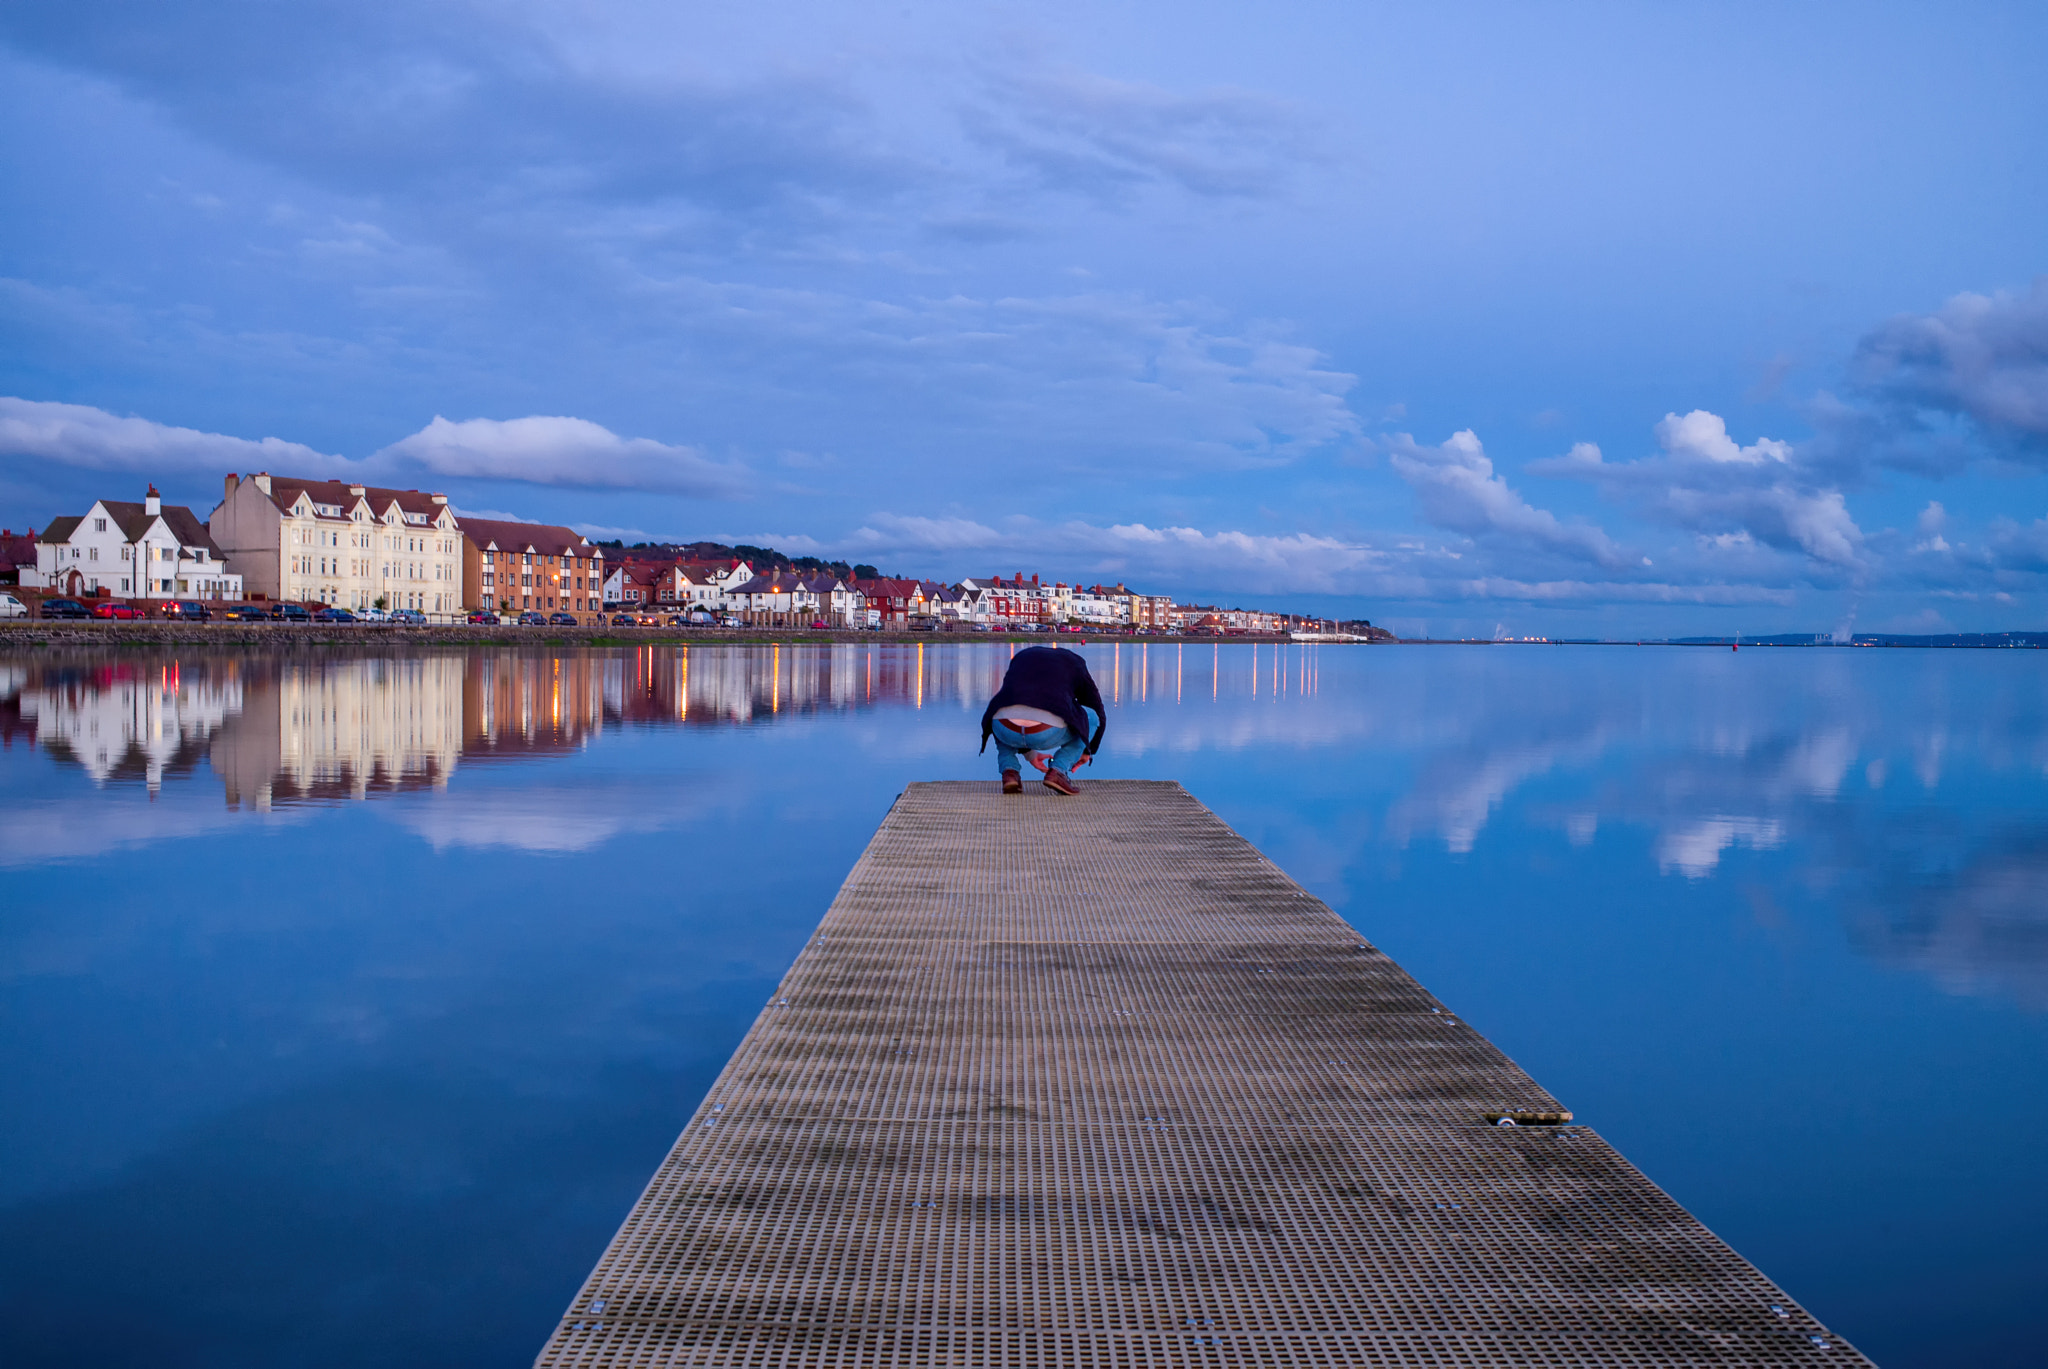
(1088, 1081)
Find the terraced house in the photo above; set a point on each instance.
(332, 542)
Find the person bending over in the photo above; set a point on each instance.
(1048, 704)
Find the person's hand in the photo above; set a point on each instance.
(1038, 761)
(1085, 758)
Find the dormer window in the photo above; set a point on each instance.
(99, 525)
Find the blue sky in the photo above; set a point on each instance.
(1546, 319)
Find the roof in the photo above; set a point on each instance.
(781, 582)
(134, 519)
(286, 489)
(886, 587)
(550, 539)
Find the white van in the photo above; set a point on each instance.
(11, 607)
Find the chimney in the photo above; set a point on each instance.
(262, 479)
(439, 498)
(152, 503)
(358, 490)
(233, 480)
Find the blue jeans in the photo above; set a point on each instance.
(1067, 748)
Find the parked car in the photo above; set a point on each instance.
(532, 619)
(818, 624)
(64, 608)
(334, 615)
(624, 620)
(483, 617)
(372, 615)
(410, 616)
(290, 613)
(981, 627)
(184, 611)
(11, 607)
(246, 613)
(562, 620)
(115, 609)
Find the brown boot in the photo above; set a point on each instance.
(1060, 782)
(1013, 783)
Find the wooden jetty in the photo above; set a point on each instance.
(1089, 1081)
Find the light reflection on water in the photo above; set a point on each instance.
(351, 997)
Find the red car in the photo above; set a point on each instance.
(116, 610)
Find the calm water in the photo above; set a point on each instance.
(346, 1003)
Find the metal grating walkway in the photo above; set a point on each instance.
(1088, 1081)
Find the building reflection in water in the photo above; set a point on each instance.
(290, 728)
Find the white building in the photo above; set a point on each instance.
(330, 542)
(129, 725)
(132, 551)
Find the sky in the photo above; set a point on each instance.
(1493, 319)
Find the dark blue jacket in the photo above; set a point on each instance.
(1055, 680)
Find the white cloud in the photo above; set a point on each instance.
(1701, 436)
(536, 450)
(1706, 482)
(553, 450)
(1460, 491)
(80, 435)
(1933, 521)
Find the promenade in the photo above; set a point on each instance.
(1090, 1082)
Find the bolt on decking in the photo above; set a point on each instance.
(1089, 1081)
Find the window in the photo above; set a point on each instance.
(99, 525)
(95, 555)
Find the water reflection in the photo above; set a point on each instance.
(1829, 760)
(410, 961)
(279, 730)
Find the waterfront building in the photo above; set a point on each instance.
(519, 567)
(1011, 603)
(332, 542)
(890, 601)
(132, 551)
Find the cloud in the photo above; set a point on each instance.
(1980, 358)
(82, 436)
(1096, 382)
(1732, 496)
(1090, 135)
(561, 451)
(1232, 561)
(567, 452)
(1461, 492)
(925, 534)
